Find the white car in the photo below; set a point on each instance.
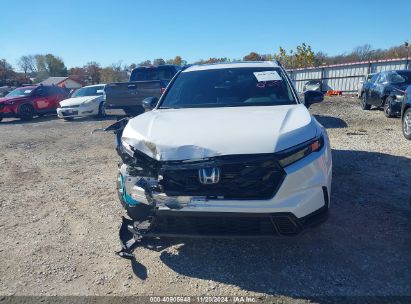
(87, 101)
(229, 140)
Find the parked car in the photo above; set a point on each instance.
(312, 85)
(87, 101)
(382, 91)
(27, 102)
(406, 113)
(125, 98)
(366, 79)
(228, 141)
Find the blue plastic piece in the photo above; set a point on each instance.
(126, 197)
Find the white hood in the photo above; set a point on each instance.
(76, 101)
(195, 133)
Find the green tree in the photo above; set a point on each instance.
(303, 56)
(55, 65)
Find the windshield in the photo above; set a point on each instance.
(20, 92)
(232, 87)
(401, 77)
(89, 91)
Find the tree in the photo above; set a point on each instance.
(27, 64)
(7, 74)
(55, 66)
(93, 72)
(303, 56)
(159, 61)
(79, 73)
(253, 56)
(362, 52)
(114, 73)
(145, 63)
(177, 60)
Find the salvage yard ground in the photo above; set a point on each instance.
(60, 216)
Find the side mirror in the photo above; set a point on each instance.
(149, 103)
(311, 97)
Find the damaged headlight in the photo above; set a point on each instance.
(291, 155)
(127, 147)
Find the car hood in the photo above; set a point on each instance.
(180, 134)
(75, 101)
(17, 98)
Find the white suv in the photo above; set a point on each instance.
(231, 143)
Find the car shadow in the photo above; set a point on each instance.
(90, 118)
(35, 120)
(331, 122)
(363, 249)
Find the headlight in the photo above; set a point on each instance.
(291, 155)
(127, 147)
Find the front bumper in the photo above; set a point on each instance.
(80, 111)
(304, 190)
(7, 115)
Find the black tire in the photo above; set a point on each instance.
(40, 114)
(406, 124)
(26, 112)
(1, 118)
(387, 107)
(364, 104)
(68, 118)
(102, 110)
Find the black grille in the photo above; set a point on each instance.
(241, 177)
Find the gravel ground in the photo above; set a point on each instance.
(60, 215)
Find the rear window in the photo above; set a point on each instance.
(144, 74)
(232, 87)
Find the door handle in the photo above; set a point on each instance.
(132, 86)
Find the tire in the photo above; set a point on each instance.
(68, 118)
(364, 104)
(406, 124)
(26, 112)
(102, 110)
(387, 107)
(1, 118)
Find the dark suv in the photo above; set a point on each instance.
(384, 90)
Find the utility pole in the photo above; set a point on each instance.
(406, 44)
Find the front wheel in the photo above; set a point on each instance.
(406, 124)
(387, 107)
(26, 112)
(102, 110)
(364, 104)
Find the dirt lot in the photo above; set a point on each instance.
(60, 215)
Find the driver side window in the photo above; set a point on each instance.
(374, 78)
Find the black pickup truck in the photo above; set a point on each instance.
(125, 98)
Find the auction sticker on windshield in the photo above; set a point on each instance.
(267, 76)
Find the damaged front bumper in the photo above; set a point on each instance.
(299, 189)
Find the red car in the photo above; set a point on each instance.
(29, 101)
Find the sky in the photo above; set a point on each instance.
(133, 31)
